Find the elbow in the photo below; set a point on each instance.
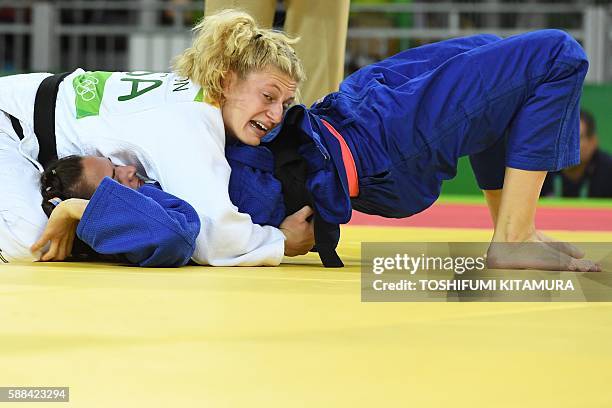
(169, 253)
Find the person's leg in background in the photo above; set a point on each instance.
(22, 219)
(322, 26)
(261, 10)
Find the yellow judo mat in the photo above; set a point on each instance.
(293, 336)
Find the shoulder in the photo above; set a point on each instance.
(210, 118)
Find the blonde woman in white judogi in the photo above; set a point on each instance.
(172, 128)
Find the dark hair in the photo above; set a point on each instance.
(589, 123)
(62, 179)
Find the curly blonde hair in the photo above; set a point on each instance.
(231, 41)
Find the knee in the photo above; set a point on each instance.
(562, 45)
(551, 36)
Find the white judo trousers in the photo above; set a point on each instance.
(155, 121)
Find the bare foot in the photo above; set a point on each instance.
(564, 247)
(535, 255)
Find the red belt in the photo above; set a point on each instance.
(347, 159)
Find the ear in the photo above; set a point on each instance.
(229, 82)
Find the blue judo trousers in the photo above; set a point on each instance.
(408, 119)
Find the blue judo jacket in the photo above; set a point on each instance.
(148, 226)
(409, 118)
(255, 190)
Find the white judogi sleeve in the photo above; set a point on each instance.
(201, 177)
(159, 123)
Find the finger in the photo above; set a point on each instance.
(66, 247)
(305, 212)
(70, 245)
(51, 253)
(61, 251)
(38, 245)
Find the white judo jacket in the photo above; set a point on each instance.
(159, 123)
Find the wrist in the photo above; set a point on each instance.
(75, 207)
(285, 233)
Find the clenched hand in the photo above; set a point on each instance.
(299, 232)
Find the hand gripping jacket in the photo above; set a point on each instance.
(300, 164)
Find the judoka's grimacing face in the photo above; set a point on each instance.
(252, 106)
(96, 168)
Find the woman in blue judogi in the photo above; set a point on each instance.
(394, 132)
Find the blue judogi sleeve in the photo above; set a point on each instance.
(252, 186)
(149, 227)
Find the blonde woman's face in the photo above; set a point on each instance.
(254, 105)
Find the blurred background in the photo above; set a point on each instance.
(119, 35)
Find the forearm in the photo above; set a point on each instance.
(69, 211)
(238, 244)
